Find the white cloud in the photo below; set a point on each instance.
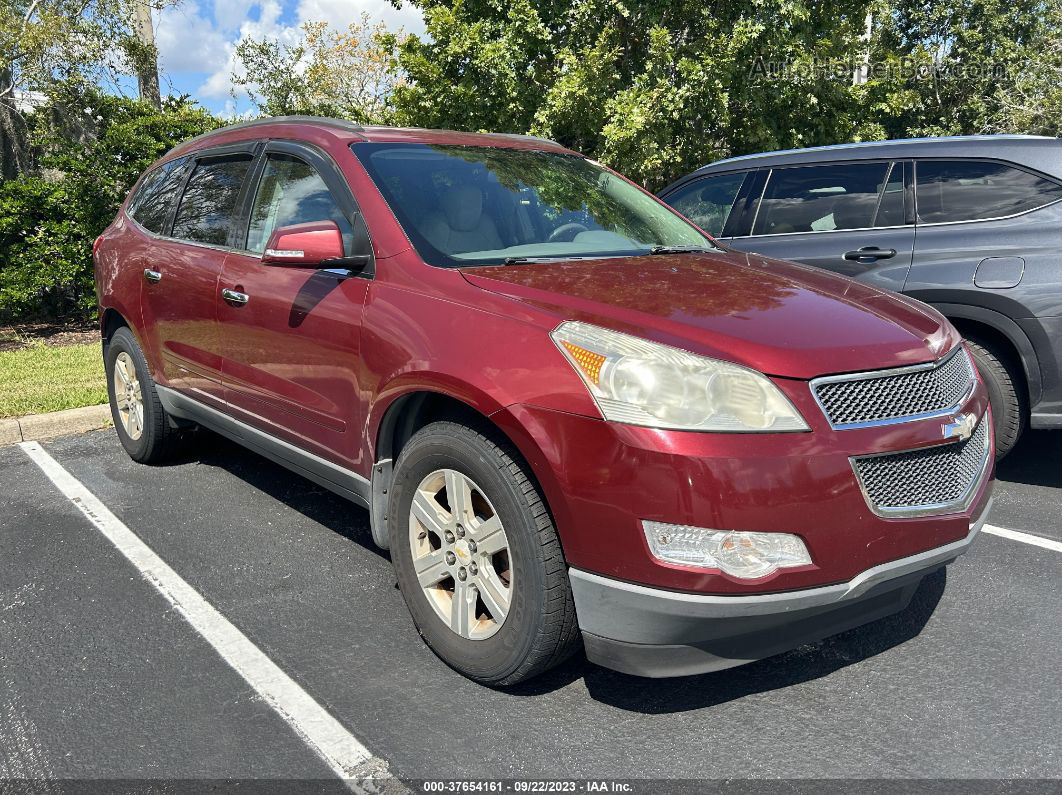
(340, 13)
(189, 41)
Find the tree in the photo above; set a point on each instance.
(144, 54)
(1033, 102)
(653, 88)
(960, 63)
(92, 148)
(347, 74)
(48, 43)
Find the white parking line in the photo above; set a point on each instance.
(1025, 538)
(340, 750)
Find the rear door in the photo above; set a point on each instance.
(291, 352)
(987, 234)
(853, 218)
(179, 297)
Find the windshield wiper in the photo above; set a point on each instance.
(526, 260)
(547, 258)
(679, 249)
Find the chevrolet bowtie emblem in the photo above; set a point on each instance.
(961, 427)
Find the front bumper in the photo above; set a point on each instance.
(652, 632)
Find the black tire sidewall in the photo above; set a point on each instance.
(1003, 396)
(123, 341)
(494, 658)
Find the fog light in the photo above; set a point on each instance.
(739, 554)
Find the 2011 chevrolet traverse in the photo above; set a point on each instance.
(571, 415)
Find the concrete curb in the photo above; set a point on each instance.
(57, 423)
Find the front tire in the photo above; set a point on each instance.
(1004, 393)
(143, 427)
(477, 557)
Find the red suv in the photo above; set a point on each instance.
(572, 415)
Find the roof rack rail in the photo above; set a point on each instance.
(520, 137)
(339, 124)
(935, 139)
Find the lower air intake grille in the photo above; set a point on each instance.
(929, 481)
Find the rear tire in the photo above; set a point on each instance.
(1003, 380)
(144, 429)
(538, 628)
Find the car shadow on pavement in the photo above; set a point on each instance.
(338, 514)
(1026, 462)
(809, 662)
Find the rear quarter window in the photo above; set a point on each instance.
(972, 190)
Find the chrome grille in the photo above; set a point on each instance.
(931, 480)
(896, 395)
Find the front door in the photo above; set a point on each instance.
(855, 219)
(291, 351)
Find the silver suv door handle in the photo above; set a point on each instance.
(152, 276)
(235, 297)
(870, 254)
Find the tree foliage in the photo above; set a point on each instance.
(654, 88)
(48, 45)
(967, 60)
(93, 147)
(657, 88)
(348, 74)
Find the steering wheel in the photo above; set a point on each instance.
(565, 233)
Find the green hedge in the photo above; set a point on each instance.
(91, 148)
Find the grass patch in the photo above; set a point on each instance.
(51, 378)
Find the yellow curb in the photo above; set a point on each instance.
(57, 423)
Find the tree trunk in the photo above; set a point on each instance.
(15, 158)
(147, 62)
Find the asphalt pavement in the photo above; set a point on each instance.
(102, 677)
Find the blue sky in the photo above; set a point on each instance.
(196, 38)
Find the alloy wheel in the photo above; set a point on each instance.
(128, 396)
(460, 554)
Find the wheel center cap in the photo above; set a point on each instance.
(464, 554)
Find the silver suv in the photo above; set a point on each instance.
(971, 225)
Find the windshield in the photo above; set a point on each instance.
(472, 205)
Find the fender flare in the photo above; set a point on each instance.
(1003, 324)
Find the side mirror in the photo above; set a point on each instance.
(304, 245)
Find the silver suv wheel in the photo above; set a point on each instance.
(460, 554)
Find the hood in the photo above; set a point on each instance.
(777, 317)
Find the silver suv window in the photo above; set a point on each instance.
(708, 202)
(821, 198)
(975, 190)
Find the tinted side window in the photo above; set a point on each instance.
(207, 207)
(708, 201)
(820, 198)
(153, 200)
(292, 192)
(969, 190)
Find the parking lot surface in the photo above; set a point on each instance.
(101, 677)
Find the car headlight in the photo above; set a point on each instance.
(740, 554)
(639, 382)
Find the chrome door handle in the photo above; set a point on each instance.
(235, 297)
(152, 276)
